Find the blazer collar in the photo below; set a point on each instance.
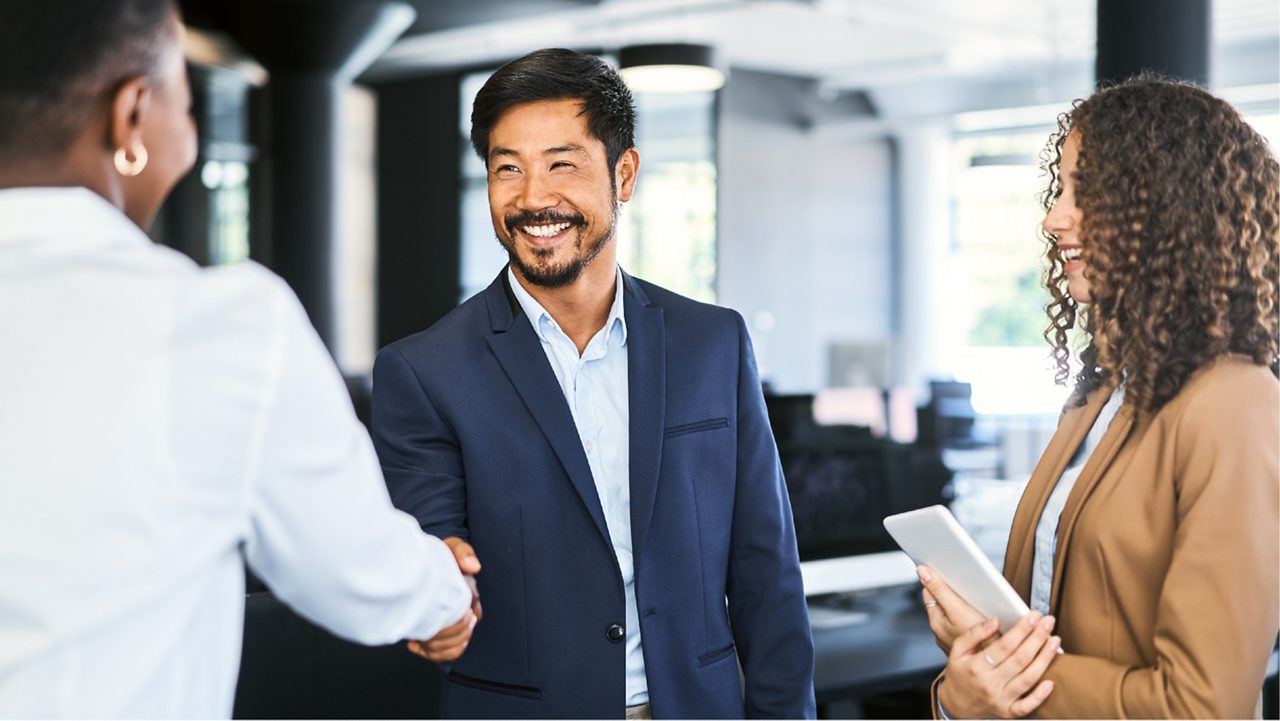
(518, 350)
(1094, 469)
(647, 399)
(1072, 429)
(501, 303)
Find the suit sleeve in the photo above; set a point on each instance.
(419, 451)
(1217, 611)
(323, 533)
(766, 594)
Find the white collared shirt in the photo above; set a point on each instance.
(595, 386)
(159, 425)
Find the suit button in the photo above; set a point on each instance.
(615, 633)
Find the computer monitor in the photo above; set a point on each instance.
(886, 412)
(862, 406)
(790, 416)
(842, 482)
(839, 496)
(947, 420)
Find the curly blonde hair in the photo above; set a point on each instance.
(1180, 201)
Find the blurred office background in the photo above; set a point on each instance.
(864, 189)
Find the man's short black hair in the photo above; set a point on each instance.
(558, 74)
(58, 56)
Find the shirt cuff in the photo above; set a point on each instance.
(942, 712)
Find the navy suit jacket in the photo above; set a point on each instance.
(476, 440)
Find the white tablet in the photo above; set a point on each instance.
(933, 536)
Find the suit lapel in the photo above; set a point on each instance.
(1094, 469)
(519, 352)
(646, 394)
(1071, 432)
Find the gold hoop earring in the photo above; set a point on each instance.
(128, 167)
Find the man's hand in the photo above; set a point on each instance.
(464, 554)
(448, 644)
(949, 614)
(1002, 680)
(469, 564)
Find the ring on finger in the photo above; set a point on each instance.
(989, 660)
(931, 604)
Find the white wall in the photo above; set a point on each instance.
(805, 228)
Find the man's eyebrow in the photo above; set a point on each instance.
(556, 150)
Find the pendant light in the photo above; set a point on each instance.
(670, 68)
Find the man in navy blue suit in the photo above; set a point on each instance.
(602, 443)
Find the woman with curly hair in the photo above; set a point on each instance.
(1147, 535)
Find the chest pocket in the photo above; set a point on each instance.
(710, 424)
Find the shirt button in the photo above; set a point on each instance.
(615, 633)
(587, 446)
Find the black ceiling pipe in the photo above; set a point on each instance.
(1170, 37)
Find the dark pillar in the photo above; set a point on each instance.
(1168, 36)
(312, 50)
(420, 148)
(303, 112)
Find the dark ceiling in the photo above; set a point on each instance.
(433, 15)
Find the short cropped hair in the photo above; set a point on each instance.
(559, 74)
(58, 56)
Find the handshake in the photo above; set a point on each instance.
(449, 643)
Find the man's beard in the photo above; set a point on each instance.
(552, 276)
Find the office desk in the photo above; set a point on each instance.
(891, 650)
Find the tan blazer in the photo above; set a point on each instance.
(1165, 580)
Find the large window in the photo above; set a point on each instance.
(481, 256)
(668, 230)
(1269, 127)
(998, 263)
(228, 184)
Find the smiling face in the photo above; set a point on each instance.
(553, 198)
(1063, 222)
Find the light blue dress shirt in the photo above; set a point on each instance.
(595, 386)
(1047, 528)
